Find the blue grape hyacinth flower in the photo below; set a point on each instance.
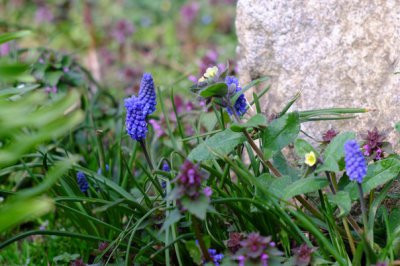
(241, 103)
(356, 165)
(138, 108)
(82, 182)
(147, 94)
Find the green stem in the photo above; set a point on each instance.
(102, 157)
(197, 231)
(146, 154)
(266, 163)
(363, 208)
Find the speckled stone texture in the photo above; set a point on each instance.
(337, 53)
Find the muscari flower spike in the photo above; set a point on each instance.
(82, 182)
(356, 165)
(138, 108)
(241, 103)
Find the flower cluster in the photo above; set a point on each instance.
(233, 88)
(303, 255)
(328, 136)
(215, 257)
(189, 181)
(122, 30)
(373, 144)
(356, 166)
(82, 182)
(256, 248)
(138, 108)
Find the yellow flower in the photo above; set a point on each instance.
(202, 79)
(310, 158)
(211, 72)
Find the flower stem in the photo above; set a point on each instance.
(363, 209)
(266, 163)
(102, 160)
(146, 154)
(197, 231)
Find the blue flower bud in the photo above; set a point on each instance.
(241, 103)
(82, 182)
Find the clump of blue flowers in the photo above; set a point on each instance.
(82, 182)
(356, 165)
(233, 88)
(138, 108)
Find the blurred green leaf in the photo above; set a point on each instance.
(196, 207)
(304, 186)
(280, 133)
(257, 120)
(52, 77)
(342, 200)
(378, 174)
(335, 152)
(221, 143)
(16, 212)
(9, 36)
(301, 147)
(217, 89)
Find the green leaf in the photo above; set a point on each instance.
(52, 77)
(173, 217)
(378, 174)
(6, 37)
(217, 89)
(305, 185)
(221, 143)
(342, 200)
(301, 147)
(276, 186)
(10, 71)
(194, 251)
(335, 152)
(255, 121)
(397, 127)
(394, 219)
(280, 133)
(16, 212)
(196, 207)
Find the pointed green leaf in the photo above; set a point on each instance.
(196, 207)
(217, 89)
(280, 133)
(258, 120)
(335, 152)
(304, 186)
(221, 143)
(342, 200)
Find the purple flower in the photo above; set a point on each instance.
(189, 12)
(188, 183)
(303, 255)
(215, 257)
(158, 129)
(52, 89)
(43, 14)
(234, 88)
(234, 240)
(329, 135)
(356, 166)
(254, 245)
(166, 167)
(138, 108)
(82, 182)
(122, 30)
(373, 144)
(207, 191)
(5, 49)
